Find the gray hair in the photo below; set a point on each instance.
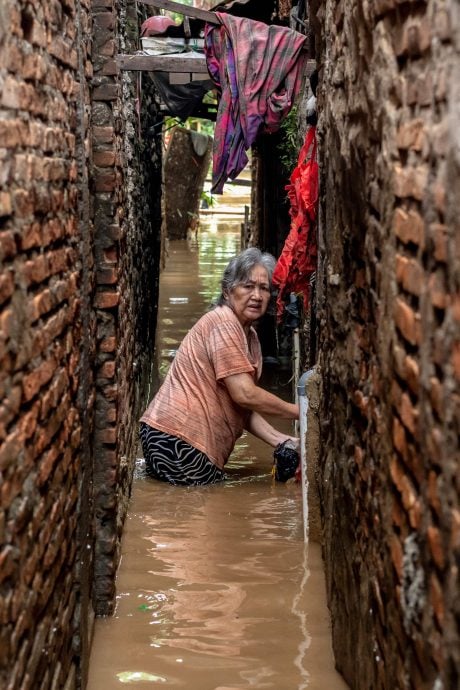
(240, 267)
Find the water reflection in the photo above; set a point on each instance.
(214, 253)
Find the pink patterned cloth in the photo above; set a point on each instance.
(258, 69)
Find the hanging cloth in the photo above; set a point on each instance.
(258, 69)
(297, 261)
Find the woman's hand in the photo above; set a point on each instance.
(294, 441)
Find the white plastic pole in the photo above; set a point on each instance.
(303, 426)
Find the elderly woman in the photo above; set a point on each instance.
(210, 394)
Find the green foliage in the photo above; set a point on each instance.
(210, 200)
(289, 146)
(198, 124)
(195, 123)
(176, 15)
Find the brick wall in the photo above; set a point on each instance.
(389, 104)
(79, 234)
(126, 222)
(45, 341)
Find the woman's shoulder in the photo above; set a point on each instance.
(220, 314)
(220, 319)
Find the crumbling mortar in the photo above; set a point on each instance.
(413, 591)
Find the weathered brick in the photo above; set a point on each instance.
(108, 344)
(409, 227)
(107, 276)
(411, 135)
(8, 247)
(408, 413)
(23, 203)
(107, 370)
(103, 135)
(433, 493)
(35, 380)
(104, 159)
(104, 21)
(442, 23)
(407, 321)
(437, 599)
(413, 37)
(13, 133)
(403, 484)
(28, 422)
(455, 360)
(105, 181)
(18, 95)
(439, 192)
(455, 530)
(109, 67)
(8, 562)
(31, 236)
(106, 300)
(410, 275)
(436, 546)
(412, 371)
(47, 464)
(5, 204)
(10, 449)
(108, 436)
(438, 233)
(438, 292)
(6, 286)
(105, 92)
(410, 181)
(36, 270)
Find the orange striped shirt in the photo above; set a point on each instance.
(193, 403)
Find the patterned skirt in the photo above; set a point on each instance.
(172, 460)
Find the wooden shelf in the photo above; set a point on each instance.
(163, 63)
(171, 63)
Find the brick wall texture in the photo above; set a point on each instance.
(389, 322)
(79, 192)
(126, 187)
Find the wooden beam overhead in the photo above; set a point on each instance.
(162, 63)
(178, 7)
(174, 63)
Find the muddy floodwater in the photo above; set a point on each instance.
(216, 589)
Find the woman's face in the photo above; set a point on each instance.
(249, 300)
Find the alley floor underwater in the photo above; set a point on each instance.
(216, 589)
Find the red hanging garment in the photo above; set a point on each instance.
(298, 259)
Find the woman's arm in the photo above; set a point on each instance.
(244, 392)
(259, 426)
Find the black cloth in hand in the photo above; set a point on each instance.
(286, 460)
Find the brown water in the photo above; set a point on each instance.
(216, 588)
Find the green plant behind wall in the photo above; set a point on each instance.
(289, 145)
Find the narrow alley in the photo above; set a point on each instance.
(216, 588)
(335, 126)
